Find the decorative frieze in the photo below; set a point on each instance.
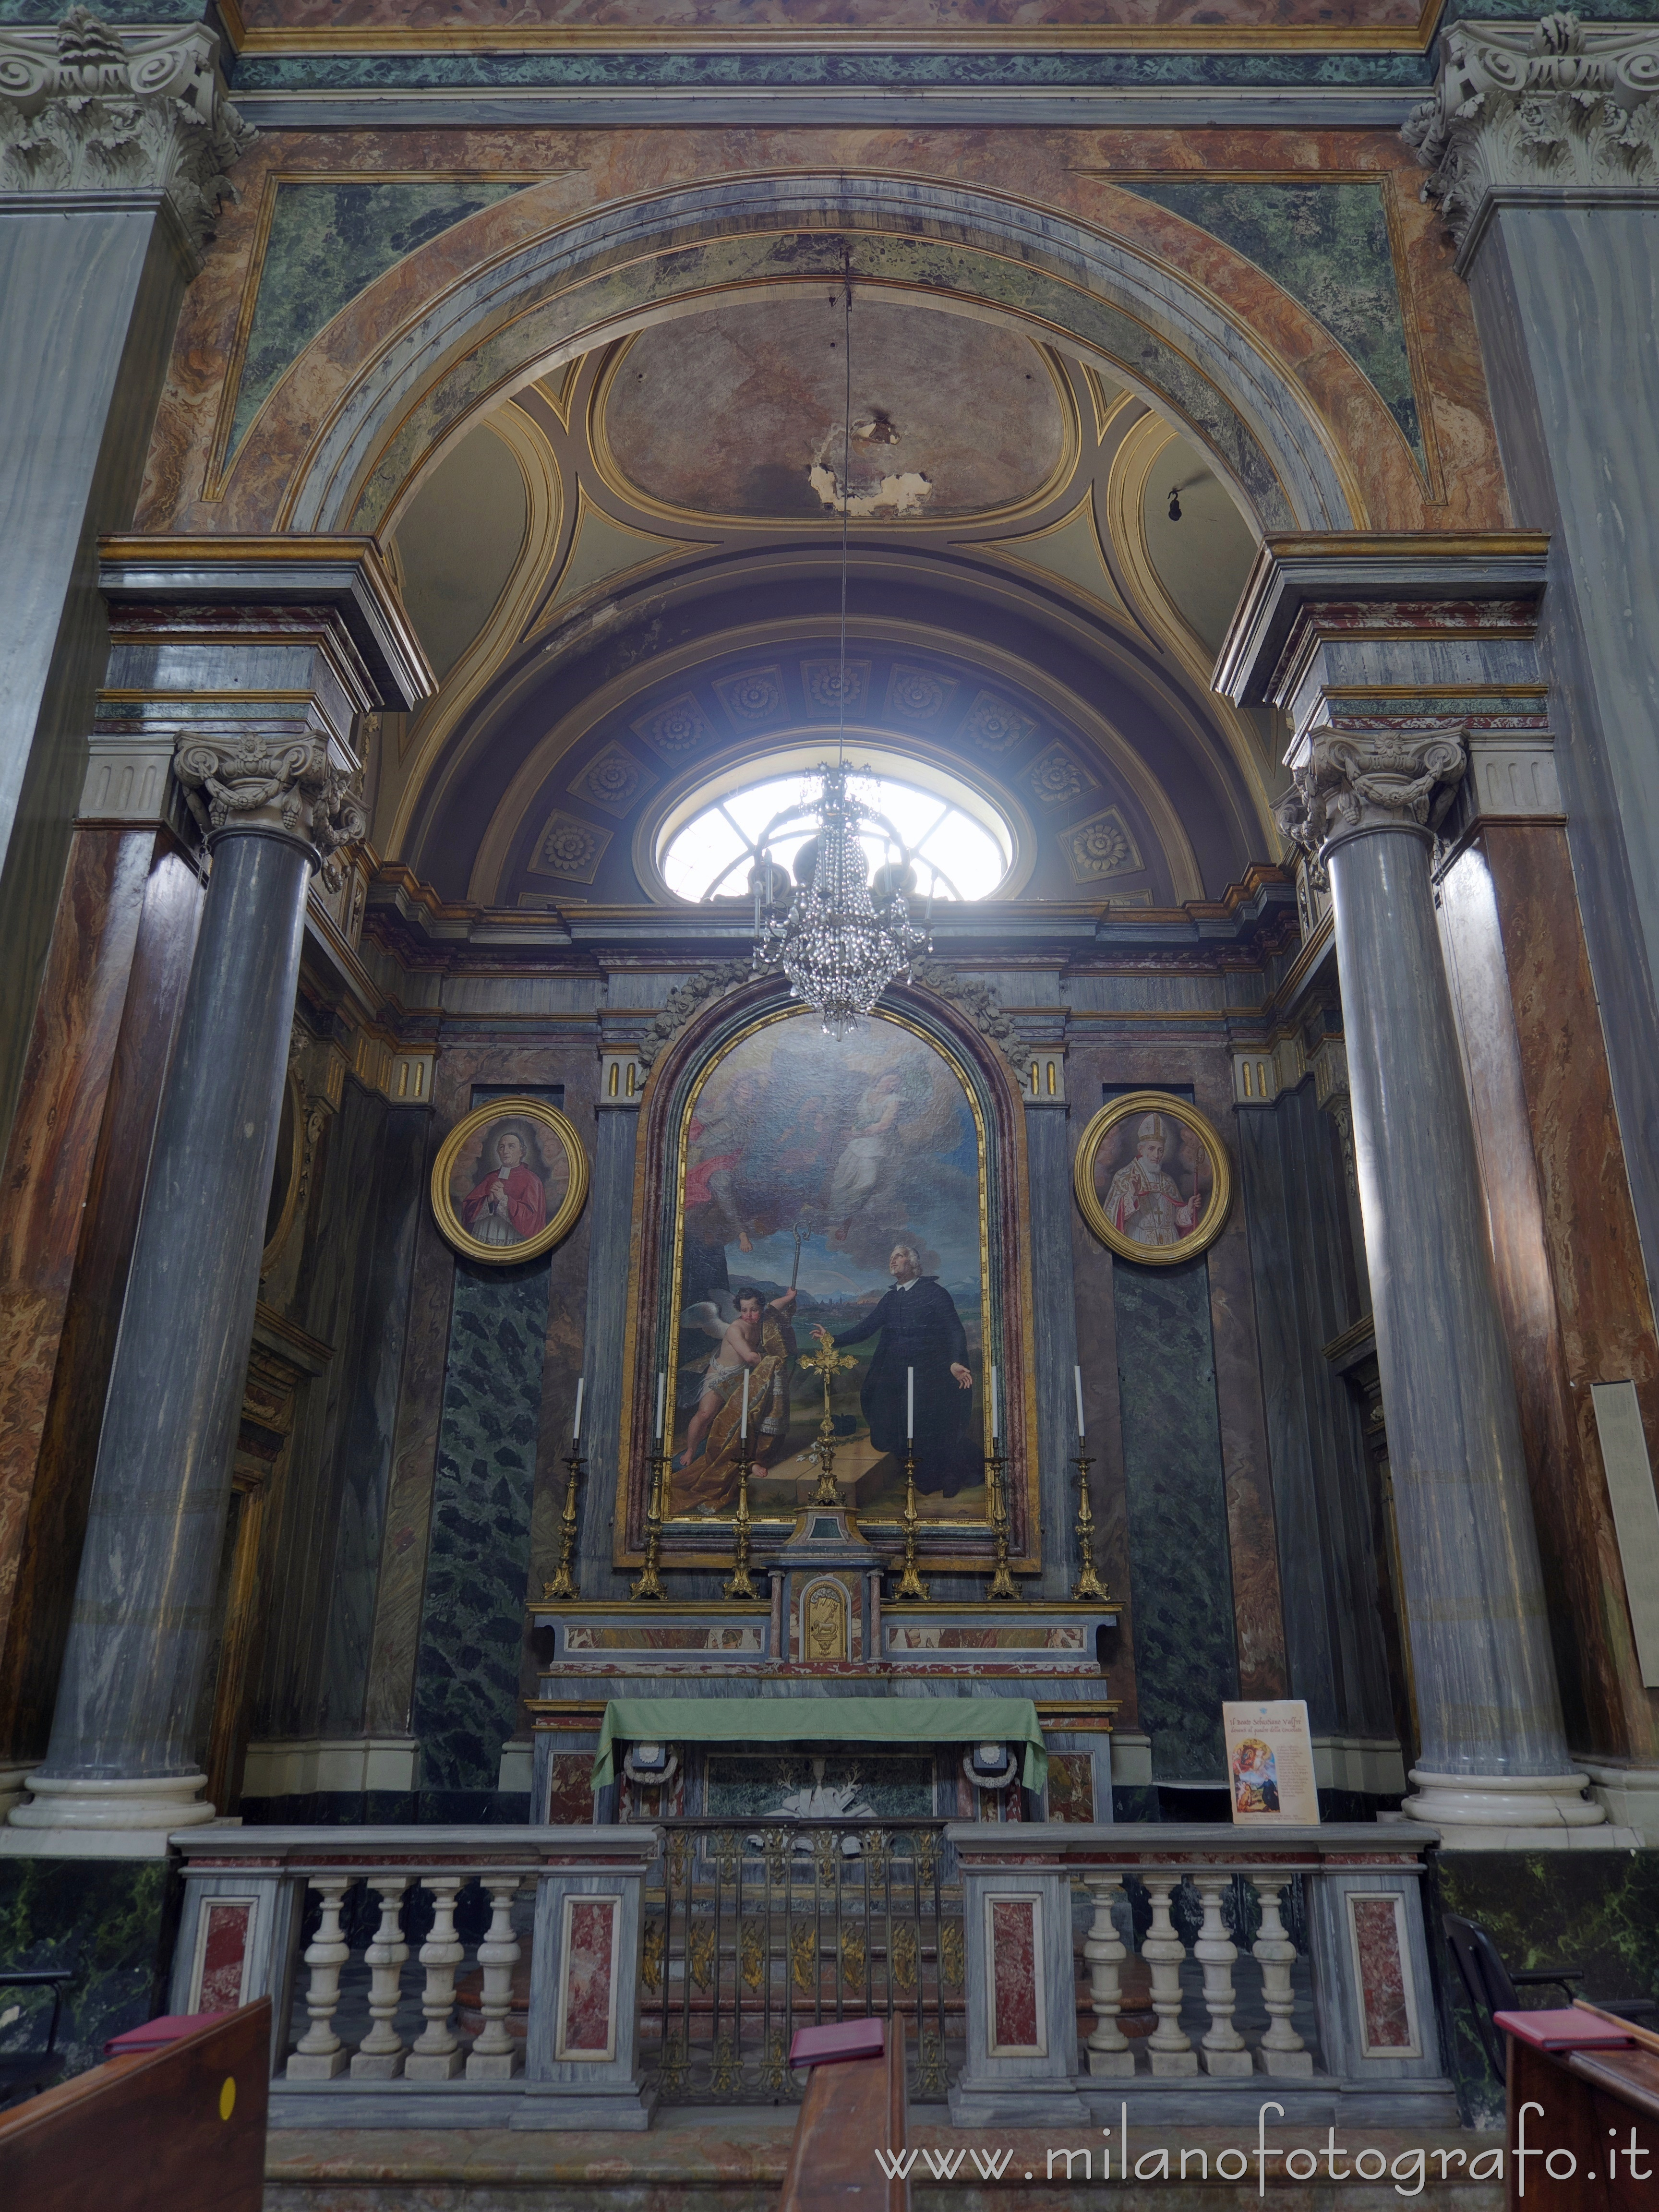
(84, 108)
(1556, 104)
(1349, 782)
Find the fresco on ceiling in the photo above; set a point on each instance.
(742, 411)
(1328, 245)
(831, 1195)
(326, 243)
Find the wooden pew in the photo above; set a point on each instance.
(852, 2108)
(179, 2128)
(1591, 2100)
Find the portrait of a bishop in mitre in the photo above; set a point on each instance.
(1143, 1203)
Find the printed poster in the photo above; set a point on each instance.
(1270, 1769)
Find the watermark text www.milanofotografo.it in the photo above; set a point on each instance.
(1410, 2170)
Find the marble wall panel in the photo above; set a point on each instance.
(1068, 171)
(111, 1922)
(1048, 1170)
(712, 16)
(1306, 1294)
(1569, 1261)
(121, 954)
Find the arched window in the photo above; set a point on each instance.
(958, 844)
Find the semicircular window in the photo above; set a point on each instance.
(958, 845)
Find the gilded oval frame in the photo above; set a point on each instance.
(1110, 1117)
(554, 1124)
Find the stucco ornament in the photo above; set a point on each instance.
(1353, 781)
(288, 785)
(1553, 103)
(86, 108)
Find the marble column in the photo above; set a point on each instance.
(114, 150)
(261, 700)
(1542, 143)
(1383, 652)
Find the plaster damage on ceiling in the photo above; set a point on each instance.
(740, 412)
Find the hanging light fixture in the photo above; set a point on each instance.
(839, 944)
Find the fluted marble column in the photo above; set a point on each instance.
(262, 700)
(1381, 652)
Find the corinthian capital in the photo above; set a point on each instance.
(288, 785)
(1355, 781)
(1557, 102)
(86, 108)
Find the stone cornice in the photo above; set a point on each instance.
(1556, 106)
(85, 109)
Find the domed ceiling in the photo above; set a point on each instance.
(743, 411)
(631, 574)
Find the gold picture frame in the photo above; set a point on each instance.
(503, 1208)
(1125, 1156)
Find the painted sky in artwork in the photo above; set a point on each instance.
(854, 1143)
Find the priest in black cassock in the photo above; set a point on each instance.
(921, 1329)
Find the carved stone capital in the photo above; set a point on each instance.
(1555, 103)
(1349, 781)
(84, 108)
(285, 785)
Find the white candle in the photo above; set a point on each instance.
(662, 1387)
(909, 1404)
(577, 1425)
(1077, 1377)
(995, 1432)
(744, 1431)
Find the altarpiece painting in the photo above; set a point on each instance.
(830, 1191)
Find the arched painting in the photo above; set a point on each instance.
(830, 1192)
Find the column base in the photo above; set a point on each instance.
(1514, 1812)
(130, 1817)
(1631, 1795)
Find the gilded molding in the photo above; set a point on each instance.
(1557, 104)
(285, 785)
(1351, 782)
(84, 108)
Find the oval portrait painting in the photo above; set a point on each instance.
(1152, 1178)
(509, 1182)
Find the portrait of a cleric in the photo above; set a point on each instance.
(920, 1335)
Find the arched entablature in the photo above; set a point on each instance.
(644, 261)
(931, 1010)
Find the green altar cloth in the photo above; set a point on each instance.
(821, 1720)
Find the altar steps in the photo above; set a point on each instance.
(733, 2159)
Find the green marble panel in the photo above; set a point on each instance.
(326, 243)
(1181, 1597)
(1595, 1911)
(1327, 246)
(837, 1786)
(111, 1922)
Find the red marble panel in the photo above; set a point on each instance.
(1071, 1786)
(1384, 2004)
(587, 2012)
(1016, 1932)
(224, 1956)
(570, 1794)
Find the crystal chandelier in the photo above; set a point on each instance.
(838, 948)
(839, 945)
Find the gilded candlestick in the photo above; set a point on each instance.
(1002, 1582)
(742, 1583)
(826, 1363)
(1088, 1583)
(650, 1582)
(909, 1584)
(564, 1584)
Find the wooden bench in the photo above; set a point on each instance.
(179, 2128)
(852, 2109)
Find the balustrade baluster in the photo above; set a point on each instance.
(379, 2056)
(1108, 2047)
(495, 2056)
(1281, 2049)
(319, 2054)
(1169, 2048)
(437, 2054)
(1222, 2049)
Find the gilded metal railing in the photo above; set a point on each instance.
(756, 1928)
